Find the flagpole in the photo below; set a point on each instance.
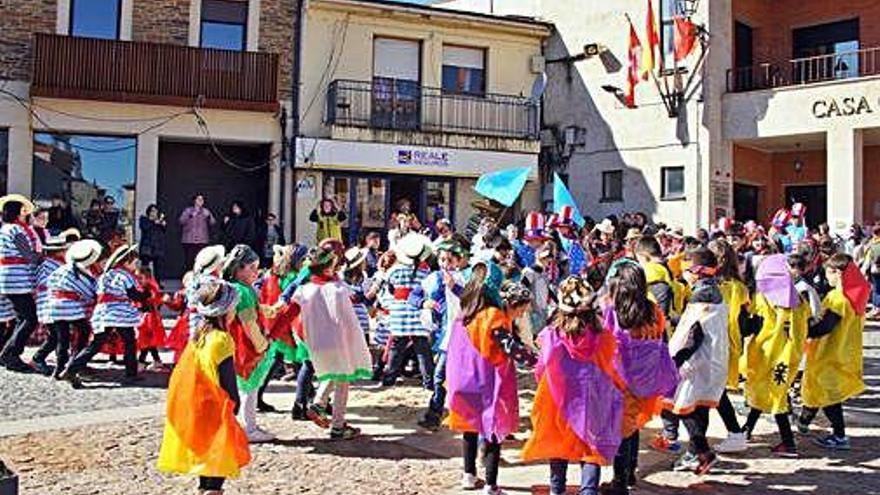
(653, 74)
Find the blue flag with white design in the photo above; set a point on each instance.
(503, 186)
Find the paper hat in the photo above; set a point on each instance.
(780, 218)
(798, 210)
(209, 259)
(605, 226)
(552, 221)
(83, 254)
(353, 258)
(120, 254)
(534, 228)
(413, 248)
(566, 217)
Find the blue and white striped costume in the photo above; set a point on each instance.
(118, 309)
(18, 258)
(360, 306)
(382, 332)
(7, 311)
(47, 267)
(72, 294)
(404, 319)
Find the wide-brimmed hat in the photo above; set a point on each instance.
(120, 254)
(70, 235)
(413, 248)
(209, 259)
(534, 228)
(83, 254)
(27, 206)
(354, 258)
(55, 243)
(222, 295)
(632, 233)
(605, 226)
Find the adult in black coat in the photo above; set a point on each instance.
(239, 227)
(151, 247)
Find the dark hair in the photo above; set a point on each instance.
(649, 246)
(629, 290)
(692, 243)
(702, 257)
(717, 235)
(197, 196)
(95, 203)
(11, 211)
(152, 207)
(839, 261)
(473, 299)
(728, 262)
(797, 261)
(372, 235)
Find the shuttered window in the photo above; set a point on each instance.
(464, 70)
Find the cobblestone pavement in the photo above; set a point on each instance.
(116, 452)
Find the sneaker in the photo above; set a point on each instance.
(833, 442)
(345, 433)
(258, 435)
(687, 462)
(430, 422)
(782, 450)
(15, 363)
(265, 407)
(664, 444)
(41, 367)
(735, 442)
(706, 461)
(493, 490)
(315, 414)
(469, 481)
(298, 412)
(631, 480)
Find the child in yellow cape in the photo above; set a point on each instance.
(779, 325)
(833, 370)
(202, 436)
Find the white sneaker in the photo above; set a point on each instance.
(735, 442)
(259, 436)
(469, 481)
(493, 490)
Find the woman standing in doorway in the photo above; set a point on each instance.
(152, 240)
(196, 222)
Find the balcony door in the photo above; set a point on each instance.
(396, 91)
(826, 51)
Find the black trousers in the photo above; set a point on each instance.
(782, 422)
(834, 413)
(211, 483)
(127, 334)
(728, 414)
(470, 449)
(626, 459)
(697, 423)
(422, 348)
(26, 323)
(189, 254)
(58, 342)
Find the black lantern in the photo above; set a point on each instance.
(688, 7)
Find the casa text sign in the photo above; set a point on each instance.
(849, 106)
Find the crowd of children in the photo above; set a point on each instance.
(621, 322)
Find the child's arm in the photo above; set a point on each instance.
(226, 375)
(749, 324)
(697, 337)
(513, 347)
(824, 326)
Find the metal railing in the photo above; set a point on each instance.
(396, 104)
(807, 70)
(154, 73)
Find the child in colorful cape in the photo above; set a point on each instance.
(241, 268)
(481, 369)
(329, 327)
(72, 293)
(645, 365)
(699, 348)
(116, 311)
(202, 436)
(52, 260)
(579, 405)
(151, 332)
(442, 291)
(779, 326)
(834, 364)
(736, 295)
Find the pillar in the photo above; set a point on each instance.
(21, 160)
(275, 175)
(845, 168)
(289, 213)
(147, 174)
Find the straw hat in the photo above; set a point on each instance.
(55, 244)
(215, 298)
(71, 234)
(27, 206)
(83, 254)
(413, 248)
(353, 258)
(209, 259)
(605, 226)
(120, 254)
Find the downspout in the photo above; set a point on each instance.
(295, 82)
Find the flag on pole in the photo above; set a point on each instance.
(685, 37)
(635, 55)
(562, 197)
(652, 44)
(503, 186)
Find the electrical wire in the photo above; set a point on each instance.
(250, 167)
(109, 119)
(331, 67)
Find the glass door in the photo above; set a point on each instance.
(370, 212)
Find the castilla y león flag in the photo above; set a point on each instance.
(685, 38)
(635, 55)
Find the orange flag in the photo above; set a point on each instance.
(635, 55)
(652, 44)
(685, 38)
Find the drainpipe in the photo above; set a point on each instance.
(295, 82)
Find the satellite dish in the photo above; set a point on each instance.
(539, 86)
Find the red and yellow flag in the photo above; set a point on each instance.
(635, 55)
(685, 38)
(652, 44)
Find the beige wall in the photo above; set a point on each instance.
(338, 41)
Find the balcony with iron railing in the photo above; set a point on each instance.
(401, 105)
(808, 70)
(154, 73)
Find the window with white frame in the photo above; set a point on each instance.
(612, 185)
(672, 179)
(224, 24)
(669, 9)
(464, 70)
(95, 19)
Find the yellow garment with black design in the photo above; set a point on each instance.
(736, 295)
(773, 355)
(833, 370)
(657, 273)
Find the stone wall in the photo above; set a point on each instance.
(276, 36)
(19, 19)
(161, 21)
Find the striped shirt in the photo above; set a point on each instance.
(46, 269)
(7, 311)
(18, 258)
(360, 306)
(195, 319)
(404, 319)
(72, 294)
(118, 310)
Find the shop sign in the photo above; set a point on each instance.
(424, 158)
(842, 107)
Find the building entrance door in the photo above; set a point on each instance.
(405, 189)
(815, 198)
(745, 202)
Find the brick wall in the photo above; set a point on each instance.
(276, 36)
(19, 19)
(160, 21)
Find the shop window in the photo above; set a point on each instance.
(371, 212)
(612, 185)
(95, 18)
(464, 70)
(224, 24)
(4, 161)
(92, 178)
(439, 201)
(673, 182)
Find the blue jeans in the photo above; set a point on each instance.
(875, 294)
(438, 399)
(304, 387)
(590, 474)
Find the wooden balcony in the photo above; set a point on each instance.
(153, 73)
